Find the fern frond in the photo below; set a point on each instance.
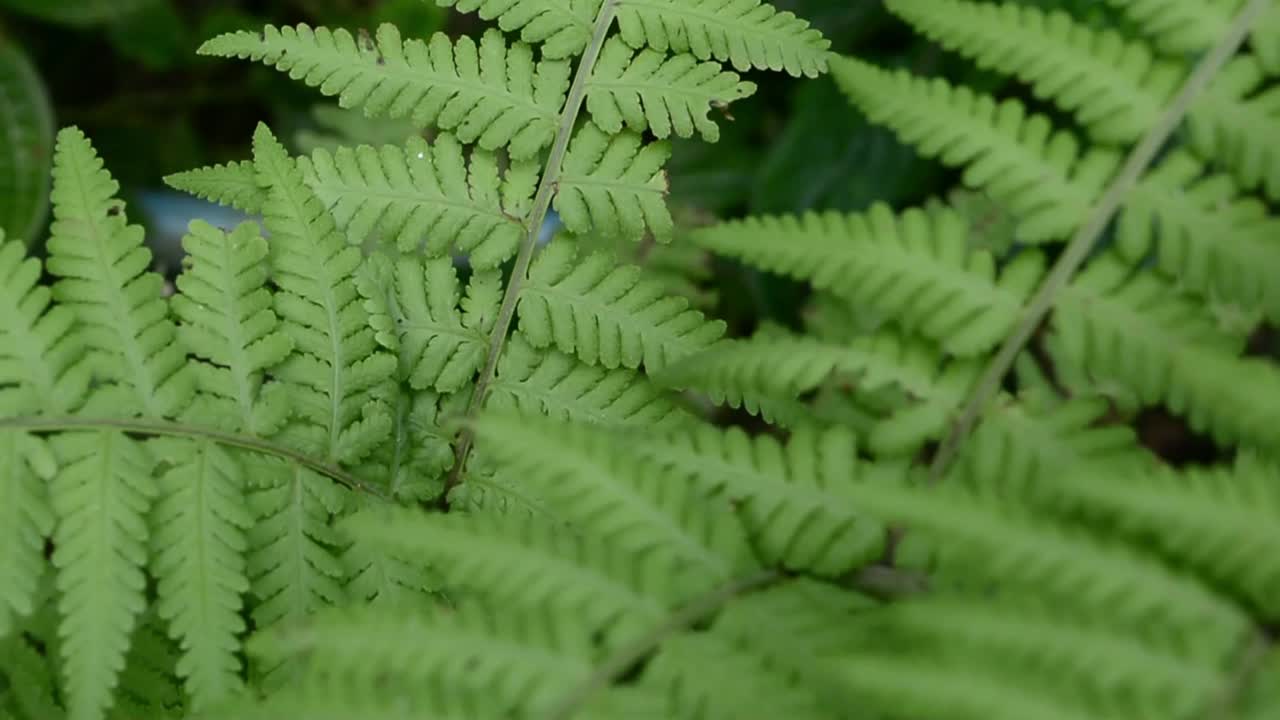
(234, 185)
(795, 499)
(100, 496)
(148, 686)
(548, 382)
(1178, 26)
(607, 314)
(31, 677)
(292, 563)
(592, 485)
(26, 126)
(335, 368)
(200, 538)
(770, 372)
(615, 186)
(426, 191)
(692, 670)
(519, 561)
(978, 539)
(563, 28)
(1041, 174)
(1116, 87)
(1138, 331)
(102, 262)
(490, 94)
(663, 94)
(413, 462)
(389, 581)
(915, 267)
(1202, 234)
(441, 335)
(226, 320)
(745, 33)
(517, 660)
(1222, 522)
(1233, 124)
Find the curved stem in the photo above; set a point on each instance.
(533, 228)
(1082, 243)
(41, 425)
(628, 655)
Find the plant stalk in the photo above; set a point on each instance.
(41, 425)
(1077, 251)
(533, 229)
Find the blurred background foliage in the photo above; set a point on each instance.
(126, 72)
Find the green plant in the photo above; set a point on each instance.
(406, 490)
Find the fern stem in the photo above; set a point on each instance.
(630, 654)
(41, 425)
(533, 228)
(1078, 249)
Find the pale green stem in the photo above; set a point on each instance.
(42, 425)
(533, 229)
(1077, 251)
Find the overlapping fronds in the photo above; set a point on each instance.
(1234, 123)
(794, 498)
(426, 193)
(26, 126)
(615, 185)
(606, 314)
(1040, 173)
(335, 369)
(489, 93)
(601, 492)
(227, 320)
(234, 184)
(916, 268)
(1202, 233)
(103, 266)
(563, 28)
(768, 373)
(666, 95)
(421, 313)
(1134, 329)
(1179, 26)
(549, 382)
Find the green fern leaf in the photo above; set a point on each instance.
(200, 537)
(27, 521)
(413, 463)
(915, 267)
(615, 186)
(100, 496)
(518, 660)
(102, 262)
(548, 382)
(148, 687)
(662, 94)
(1040, 174)
(520, 561)
(1233, 124)
(591, 485)
(234, 185)
(1202, 234)
(441, 346)
(746, 33)
(335, 370)
(491, 94)
(26, 125)
(1115, 87)
(562, 27)
(979, 539)
(1136, 330)
(796, 500)
(292, 564)
(426, 191)
(227, 321)
(1179, 26)
(1222, 522)
(607, 314)
(31, 677)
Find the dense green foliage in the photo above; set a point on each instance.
(391, 453)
